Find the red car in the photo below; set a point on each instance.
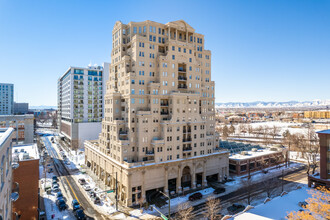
(195, 196)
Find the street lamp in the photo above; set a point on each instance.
(169, 204)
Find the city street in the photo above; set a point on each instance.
(70, 183)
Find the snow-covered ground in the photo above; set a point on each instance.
(50, 199)
(277, 208)
(74, 163)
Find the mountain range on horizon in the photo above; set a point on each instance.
(264, 104)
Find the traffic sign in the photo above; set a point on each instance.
(163, 216)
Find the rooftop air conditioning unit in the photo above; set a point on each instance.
(244, 153)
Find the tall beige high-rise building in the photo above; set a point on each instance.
(158, 131)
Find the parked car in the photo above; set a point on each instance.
(219, 190)
(195, 196)
(92, 194)
(80, 214)
(56, 189)
(59, 195)
(54, 178)
(67, 162)
(302, 204)
(61, 204)
(50, 170)
(87, 187)
(75, 204)
(54, 182)
(82, 181)
(97, 200)
(235, 208)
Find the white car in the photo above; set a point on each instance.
(87, 187)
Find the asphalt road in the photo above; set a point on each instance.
(74, 189)
(240, 195)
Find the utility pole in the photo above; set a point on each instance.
(169, 204)
(282, 181)
(116, 193)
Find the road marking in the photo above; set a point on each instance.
(71, 189)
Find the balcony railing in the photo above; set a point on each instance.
(182, 86)
(186, 140)
(187, 149)
(181, 69)
(150, 152)
(123, 132)
(182, 78)
(186, 130)
(15, 192)
(164, 104)
(164, 113)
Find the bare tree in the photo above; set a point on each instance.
(310, 149)
(231, 129)
(270, 184)
(185, 212)
(250, 129)
(225, 132)
(249, 187)
(213, 208)
(274, 131)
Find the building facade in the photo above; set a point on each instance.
(27, 177)
(158, 131)
(80, 104)
(317, 114)
(6, 99)
(23, 127)
(21, 108)
(323, 178)
(6, 135)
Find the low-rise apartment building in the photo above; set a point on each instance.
(23, 126)
(6, 135)
(26, 176)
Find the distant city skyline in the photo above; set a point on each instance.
(261, 50)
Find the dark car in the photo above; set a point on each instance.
(61, 204)
(59, 195)
(195, 196)
(97, 200)
(50, 170)
(235, 208)
(54, 178)
(75, 204)
(82, 181)
(80, 214)
(219, 190)
(92, 194)
(56, 188)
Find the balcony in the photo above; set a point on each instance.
(182, 86)
(164, 113)
(186, 140)
(15, 192)
(123, 132)
(14, 165)
(182, 78)
(165, 104)
(187, 149)
(186, 130)
(150, 152)
(181, 69)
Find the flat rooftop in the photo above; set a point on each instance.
(5, 134)
(252, 154)
(25, 152)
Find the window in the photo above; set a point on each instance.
(190, 60)
(179, 49)
(184, 50)
(189, 51)
(173, 48)
(133, 91)
(133, 82)
(133, 101)
(134, 30)
(144, 29)
(173, 57)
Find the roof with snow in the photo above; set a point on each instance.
(324, 132)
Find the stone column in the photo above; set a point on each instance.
(129, 190)
(178, 180)
(193, 175)
(204, 174)
(166, 181)
(176, 34)
(142, 187)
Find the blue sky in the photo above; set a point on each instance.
(261, 50)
